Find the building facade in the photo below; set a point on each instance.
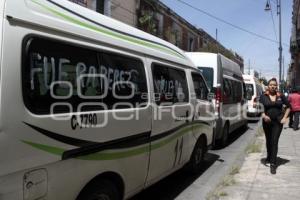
(156, 18)
(294, 69)
(125, 11)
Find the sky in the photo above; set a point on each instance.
(250, 15)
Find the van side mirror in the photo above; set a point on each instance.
(210, 96)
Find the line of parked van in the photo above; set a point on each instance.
(91, 108)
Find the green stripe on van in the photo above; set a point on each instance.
(172, 138)
(105, 155)
(110, 32)
(49, 149)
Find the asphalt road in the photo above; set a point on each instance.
(184, 186)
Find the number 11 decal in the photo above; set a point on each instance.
(178, 150)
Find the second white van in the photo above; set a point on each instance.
(225, 80)
(253, 92)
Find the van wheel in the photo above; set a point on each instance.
(100, 190)
(197, 157)
(224, 139)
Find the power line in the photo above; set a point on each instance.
(229, 23)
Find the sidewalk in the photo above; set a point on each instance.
(254, 180)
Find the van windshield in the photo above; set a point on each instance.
(208, 74)
(249, 91)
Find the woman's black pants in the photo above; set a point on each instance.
(272, 132)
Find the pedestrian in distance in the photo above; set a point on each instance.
(276, 111)
(291, 115)
(294, 100)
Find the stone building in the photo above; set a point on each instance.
(156, 18)
(294, 69)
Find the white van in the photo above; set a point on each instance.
(253, 92)
(91, 108)
(224, 79)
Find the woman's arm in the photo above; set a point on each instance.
(265, 117)
(287, 110)
(285, 117)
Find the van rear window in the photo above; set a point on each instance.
(249, 91)
(208, 74)
(61, 78)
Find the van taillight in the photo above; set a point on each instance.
(254, 102)
(218, 98)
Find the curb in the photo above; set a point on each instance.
(232, 156)
(238, 162)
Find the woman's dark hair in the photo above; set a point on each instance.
(272, 79)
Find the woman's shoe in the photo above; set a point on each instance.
(266, 161)
(273, 169)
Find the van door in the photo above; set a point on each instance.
(241, 103)
(170, 125)
(229, 107)
(1, 29)
(204, 112)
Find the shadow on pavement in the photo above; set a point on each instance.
(170, 187)
(234, 136)
(280, 161)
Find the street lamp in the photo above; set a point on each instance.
(268, 8)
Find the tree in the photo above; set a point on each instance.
(263, 80)
(148, 22)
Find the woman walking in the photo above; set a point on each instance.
(274, 117)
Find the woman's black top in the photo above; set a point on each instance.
(274, 109)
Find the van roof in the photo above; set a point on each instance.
(231, 68)
(67, 17)
(249, 79)
(203, 59)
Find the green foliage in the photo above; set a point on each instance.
(235, 170)
(254, 148)
(263, 80)
(147, 21)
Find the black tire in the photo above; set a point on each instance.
(197, 158)
(245, 126)
(100, 190)
(225, 135)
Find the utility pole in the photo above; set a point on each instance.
(283, 72)
(280, 42)
(268, 8)
(260, 73)
(249, 67)
(217, 40)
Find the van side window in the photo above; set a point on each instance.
(227, 91)
(71, 76)
(238, 93)
(170, 85)
(233, 91)
(200, 87)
